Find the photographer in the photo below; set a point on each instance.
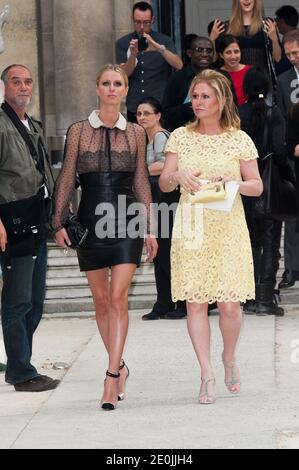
(147, 57)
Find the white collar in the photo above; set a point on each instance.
(96, 122)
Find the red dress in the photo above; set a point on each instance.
(238, 78)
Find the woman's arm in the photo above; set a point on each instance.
(159, 143)
(155, 168)
(270, 29)
(171, 177)
(218, 28)
(252, 184)
(65, 182)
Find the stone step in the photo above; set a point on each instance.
(137, 302)
(81, 280)
(68, 291)
(65, 292)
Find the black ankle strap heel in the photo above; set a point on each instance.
(110, 406)
(114, 376)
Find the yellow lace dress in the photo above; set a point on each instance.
(221, 269)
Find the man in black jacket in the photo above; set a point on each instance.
(25, 178)
(177, 109)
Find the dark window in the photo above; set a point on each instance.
(170, 19)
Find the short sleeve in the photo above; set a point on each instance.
(170, 46)
(121, 49)
(172, 144)
(159, 143)
(248, 150)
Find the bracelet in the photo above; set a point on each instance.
(55, 230)
(162, 49)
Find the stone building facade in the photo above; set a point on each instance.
(66, 42)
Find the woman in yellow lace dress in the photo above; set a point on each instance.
(219, 267)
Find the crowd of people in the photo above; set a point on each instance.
(188, 122)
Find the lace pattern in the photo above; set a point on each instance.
(86, 150)
(222, 268)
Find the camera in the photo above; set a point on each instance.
(142, 44)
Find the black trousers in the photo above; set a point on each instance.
(162, 266)
(265, 242)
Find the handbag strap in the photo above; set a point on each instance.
(22, 131)
(35, 154)
(270, 62)
(267, 139)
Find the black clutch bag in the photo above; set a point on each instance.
(77, 233)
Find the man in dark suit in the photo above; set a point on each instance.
(288, 82)
(176, 104)
(287, 96)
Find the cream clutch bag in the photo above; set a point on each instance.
(209, 192)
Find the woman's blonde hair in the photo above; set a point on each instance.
(228, 116)
(236, 26)
(115, 68)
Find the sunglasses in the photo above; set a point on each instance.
(201, 50)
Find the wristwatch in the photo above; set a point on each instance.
(162, 48)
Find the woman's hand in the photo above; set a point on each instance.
(270, 29)
(151, 247)
(3, 237)
(188, 180)
(218, 28)
(223, 179)
(296, 153)
(62, 239)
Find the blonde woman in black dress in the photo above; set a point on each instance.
(109, 154)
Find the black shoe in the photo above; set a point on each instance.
(269, 309)
(288, 280)
(268, 299)
(250, 307)
(212, 307)
(106, 405)
(175, 315)
(153, 316)
(40, 383)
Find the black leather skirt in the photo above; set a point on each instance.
(106, 210)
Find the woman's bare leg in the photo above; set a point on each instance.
(121, 278)
(200, 333)
(99, 286)
(230, 322)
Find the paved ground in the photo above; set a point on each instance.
(161, 409)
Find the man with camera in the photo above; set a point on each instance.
(25, 186)
(147, 57)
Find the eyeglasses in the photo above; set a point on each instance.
(145, 23)
(144, 113)
(201, 50)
